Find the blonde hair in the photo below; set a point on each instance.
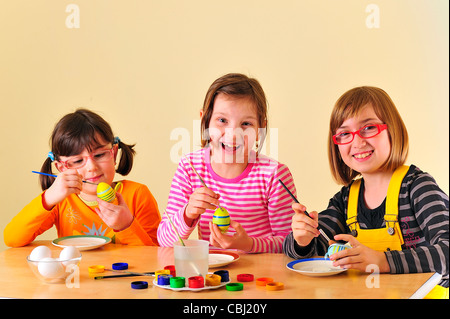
(349, 105)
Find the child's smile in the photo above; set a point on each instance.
(96, 179)
(233, 130)
(364, 155)
(230, 148)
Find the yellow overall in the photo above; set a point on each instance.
(389, 237)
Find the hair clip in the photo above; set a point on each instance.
(116, 140)
(51, 156)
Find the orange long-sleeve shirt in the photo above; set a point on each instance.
(73, 217)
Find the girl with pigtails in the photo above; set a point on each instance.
(84, 151)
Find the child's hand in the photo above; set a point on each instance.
(117, 217)
(359, 256)
(304, 228)
(68, 182)
(203, 198)
(239, 240)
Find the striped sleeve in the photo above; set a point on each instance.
(431, 209)
(180, 191)
(332, 221)
(255, 199)
(279, 212)
(424, 219)
(293, 250)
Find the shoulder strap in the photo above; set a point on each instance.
(352, 208)
(391, 214)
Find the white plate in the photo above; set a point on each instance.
(314, 267)
(82, 242)
(189, 289)
(220, 258)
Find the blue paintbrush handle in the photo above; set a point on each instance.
(52, 175)
(40, 173)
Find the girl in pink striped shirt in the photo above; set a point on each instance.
(244, 182)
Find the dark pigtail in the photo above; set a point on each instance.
(46, 181)
(126, 158)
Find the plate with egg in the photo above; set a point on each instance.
(82, 242)
(315, 267)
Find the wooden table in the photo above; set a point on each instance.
(18, 281)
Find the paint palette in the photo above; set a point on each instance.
(155, 283)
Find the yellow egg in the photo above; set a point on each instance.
(105, 192)
(221, 218)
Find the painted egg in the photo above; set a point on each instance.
(334, 248)
(105, 192)
(222, 219)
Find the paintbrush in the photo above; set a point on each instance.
(125, 274)
(52, 175)
(306, 213)
(199, 177)
(174, 228)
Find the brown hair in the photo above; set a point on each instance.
(349, 105)
(238, 85)
(79, 130)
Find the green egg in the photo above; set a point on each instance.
(222, 219)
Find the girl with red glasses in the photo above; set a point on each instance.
(394, 216)
(84, 151)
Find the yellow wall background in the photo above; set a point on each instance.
(145, 67)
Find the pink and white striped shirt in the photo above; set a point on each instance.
(255, 199)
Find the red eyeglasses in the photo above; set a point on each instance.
(367, 131)
(79, 161)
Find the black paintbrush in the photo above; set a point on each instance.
(306, 213)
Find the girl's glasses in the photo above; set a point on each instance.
(367, 131)
(79, 161)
